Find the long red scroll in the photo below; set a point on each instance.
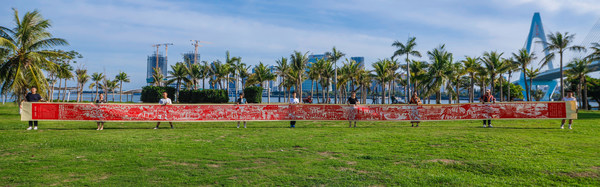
(312, 112)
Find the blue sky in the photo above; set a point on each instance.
(117, 36)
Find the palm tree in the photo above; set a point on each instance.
(505, 65)
(82, 78)
(234, 63)
(408, 49)
(298, 64)
(158, 77)
(290, 82)
(335, 55)
(318, 69)
(343, 79)
(523, 58)
(313, 75)
(282, 69)
(418, 71)
(482, 77)
(92, 86)
(493, 63)
(205, 72)
(244, 74)
(595, 55)
(512, 66)
(109, 86)
(195, 73)
(326, 76)
(178, 74)
(439, 70)
(532, 74)
(458, 70)
(25, 52)
(97, 77)
(559, 43)
(121, 77)
(219, 73)
(382, 75)
(364, 81)
(65, 72)
(52, 78)
(578, 70)
(471, 65)
(394, 66)
(261, 74)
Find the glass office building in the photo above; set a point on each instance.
(154, 63)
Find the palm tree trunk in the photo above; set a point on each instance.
(177, 94)
(493, 83)
(580, 99)
(530, 85)
(299, 85)
(562, 82)
(526, 86)
(457, 92)
(59, 89)
(120, 91)
(508, 97)
(312, 85)
(585, 95)
(65, 91)
(472, 87)
(501, 91)
(317, 88)
(382, 92)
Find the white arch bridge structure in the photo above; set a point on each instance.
(547, 80)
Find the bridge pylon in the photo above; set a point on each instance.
(549, 86)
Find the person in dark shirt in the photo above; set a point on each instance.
(100, 124)
(33, 96)
(352, 100)
(240, 101)
(308, 100)
(487, 98)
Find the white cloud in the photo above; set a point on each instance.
(575, 6)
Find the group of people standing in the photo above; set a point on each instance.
(486, 98)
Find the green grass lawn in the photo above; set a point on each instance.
(516, 152)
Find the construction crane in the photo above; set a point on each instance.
(166, 49)
(156, 45)
(196, 44)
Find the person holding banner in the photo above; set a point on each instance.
(415, 111)
(569, 97)
(100, 100)
(293, 101)
(240, 101)
(352, 100)
(487, 98)
(33, 96)
(165, 101)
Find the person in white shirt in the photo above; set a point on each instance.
(569, 97)
(164, 101)
(293, 101)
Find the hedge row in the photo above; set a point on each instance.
(152, 94)
(203, 96)
(253, 94)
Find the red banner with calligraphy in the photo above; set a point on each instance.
(311, 112)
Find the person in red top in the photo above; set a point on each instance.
(487, 98)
